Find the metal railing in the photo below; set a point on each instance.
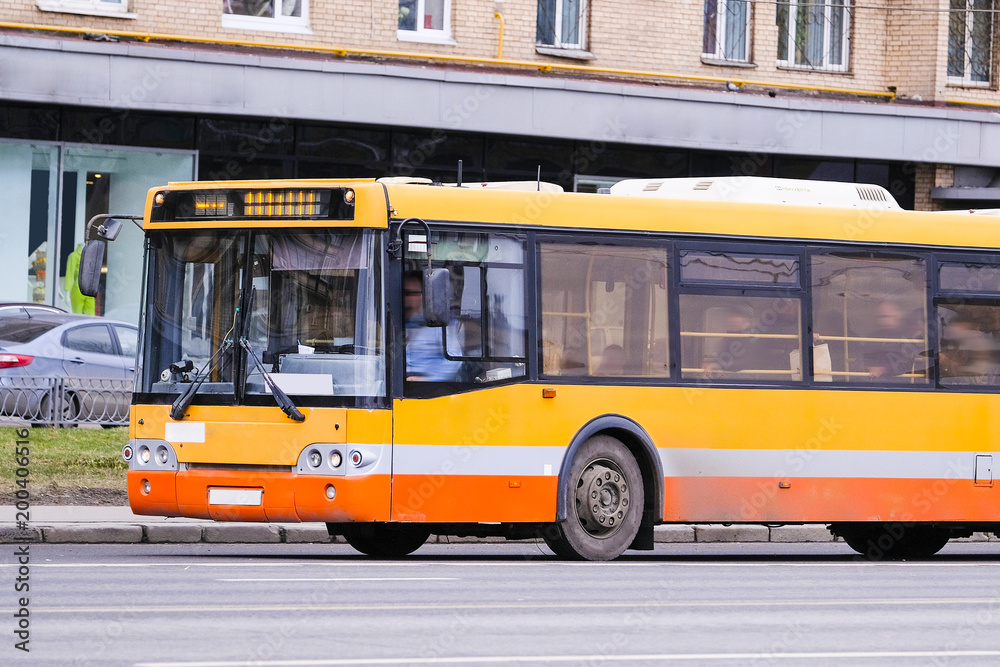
(65, 401)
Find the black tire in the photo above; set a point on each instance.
(382, 540)
(605, 503)
(894, 541)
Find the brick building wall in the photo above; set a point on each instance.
(897, 43)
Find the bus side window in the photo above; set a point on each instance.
(969, 326)
(604, 310)
(870, 310)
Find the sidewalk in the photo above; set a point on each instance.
(100, 525)
(92, 525)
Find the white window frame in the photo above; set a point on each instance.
(788, 59)
(721, 24)
(277, 23)
(428, 35)
(966, 78)
(114, 8)
(558, 43)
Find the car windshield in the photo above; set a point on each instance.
(19, 330)
(313, 299)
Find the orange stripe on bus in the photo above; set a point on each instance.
(825, 500)
(474, 498)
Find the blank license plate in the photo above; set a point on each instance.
(235, 496)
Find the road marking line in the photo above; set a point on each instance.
(661, 657)
(351, 579)
(685, 604)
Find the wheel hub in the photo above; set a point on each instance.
(602, 498)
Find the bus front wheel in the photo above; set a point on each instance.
(605, 503)
(382, 540)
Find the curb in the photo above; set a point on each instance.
(265, 533)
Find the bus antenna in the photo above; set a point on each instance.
(459, 184)
(538, 183)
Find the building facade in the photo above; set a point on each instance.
(101, 99)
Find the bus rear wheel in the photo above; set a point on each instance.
(382, 540)
(605, 503)
(893, 541)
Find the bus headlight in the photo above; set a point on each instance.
(144, 454)
(315, 459)
(336, 459)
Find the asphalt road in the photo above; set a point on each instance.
(712, 604)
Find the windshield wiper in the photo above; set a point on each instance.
(183, 401)
(284, 402)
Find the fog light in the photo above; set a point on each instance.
(315, 458)
(161, 455)
(144, 454)
(145, 487)
(331, 492)
(356, 458)
(335, 459)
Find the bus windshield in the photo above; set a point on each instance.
(314, 316)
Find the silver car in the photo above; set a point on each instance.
(65, 368)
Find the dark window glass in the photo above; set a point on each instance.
(235, 167)
(595, 158)
(128, 128)
(814, 170)
(24, 122)
(726, 338)
(246, 138)
(704, 266)
(970, 277)
(870, 316)
(23, 331)
(414, 152)
(731, 164)
(604, 310)
(95, 338)
(342, 145)
(970, 344)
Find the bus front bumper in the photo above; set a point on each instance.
(249, 495)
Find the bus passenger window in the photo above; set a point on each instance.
(727, 338)
(970, 344)
(870, 311)
(604, 311)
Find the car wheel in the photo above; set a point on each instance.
(70, 410)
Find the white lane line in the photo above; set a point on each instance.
(350, 579)
(573, 605)
(657, 657)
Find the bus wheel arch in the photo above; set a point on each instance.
(621, 438)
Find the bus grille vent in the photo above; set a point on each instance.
(652, 186)
(871, 194)
(703, 185)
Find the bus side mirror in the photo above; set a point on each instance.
(437, 297)
(91, 263)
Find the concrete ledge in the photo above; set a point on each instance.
(93, 534)
(159, 533)
(9, 534)
(800, 534)
(731, 533)
(673, 533)
(299, 534)
(240, 532)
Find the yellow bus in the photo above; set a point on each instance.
(397, 359)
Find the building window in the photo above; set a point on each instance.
(970, 42)
(814, 34)
(273, 15)
(727, 30)
(113, 8)
(561, 24)
(425, 21)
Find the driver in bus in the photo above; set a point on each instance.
(425, 360)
